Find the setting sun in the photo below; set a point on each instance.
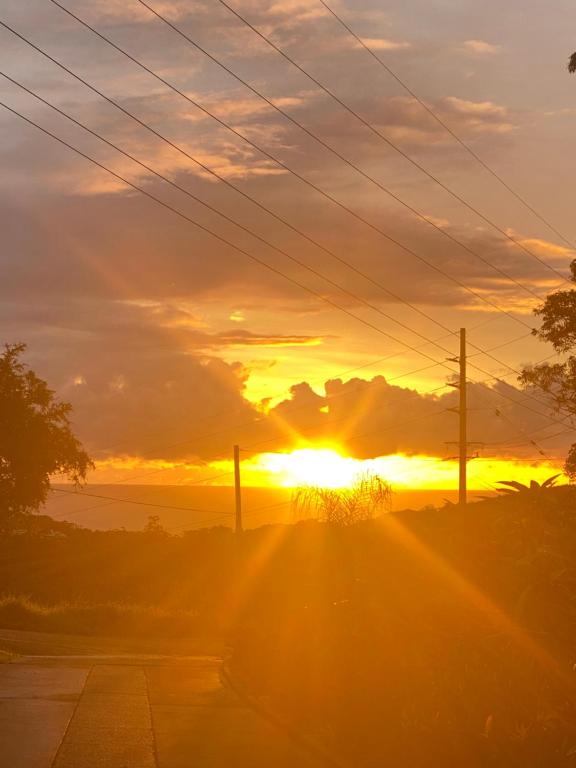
(322, 467)
(287, 391)
(328, 467)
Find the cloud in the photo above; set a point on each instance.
(238, 109)
(373, 418)
(484, 115)
(138, 386)
(249, 339)
(118, 297)
(543, 248)
(122, 12)
(480, 48)
(405, 121)
(126, 248)
(382, 44)
(285, 15)
(146, 383)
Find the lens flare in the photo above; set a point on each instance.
(323, 467)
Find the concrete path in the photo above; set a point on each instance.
(132, 712)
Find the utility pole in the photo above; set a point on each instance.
(237, 489)
(463, 418)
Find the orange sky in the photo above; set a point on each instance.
(320, 304)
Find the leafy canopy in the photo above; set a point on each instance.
(35, 437)
(558, 380)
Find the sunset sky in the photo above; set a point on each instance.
(172, 345)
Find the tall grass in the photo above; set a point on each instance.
(110, 619)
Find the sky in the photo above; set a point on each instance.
(318, 300)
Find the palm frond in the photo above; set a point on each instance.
(512, 484)
(551, 481)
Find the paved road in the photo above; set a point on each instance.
(130, 711)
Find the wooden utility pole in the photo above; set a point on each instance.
(463, 417)
(238, 490)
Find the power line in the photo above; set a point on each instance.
(295, 408)
(348, 393)
(255, 422)
(131, 157)
(111, 499)
(315, 272)
(280, 163)
(217, 211)
(200, 201)
(160, 136)
(83, 510)
(268, 266)
(436, 363)
(300, 263)
(337, 375)
(527, 438)
(499, 346)
(446, 127)
(221, 475)
(415, 397)
(524, 460)
(134, 501)
(514, 443)
(330, 422)
(232, 245)
(114, 499)
(362, 120)
(222, 239)
(229, 243)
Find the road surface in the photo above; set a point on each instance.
(82, 709)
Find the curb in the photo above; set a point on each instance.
(305, 744)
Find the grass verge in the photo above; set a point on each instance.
(110, 619)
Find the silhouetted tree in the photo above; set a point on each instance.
(35, 438)
(572, 63)
(558, 380)
(154, 527)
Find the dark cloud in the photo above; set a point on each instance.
(104, 284)
(144, 383)
(374, 418)
(125, 247)
(130, 378)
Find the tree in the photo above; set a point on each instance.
(558, 380)
(363, 500)
(572, 63)
(36, 440)
(154, 527)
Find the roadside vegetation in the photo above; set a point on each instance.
(439, 637)
(443, 637)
